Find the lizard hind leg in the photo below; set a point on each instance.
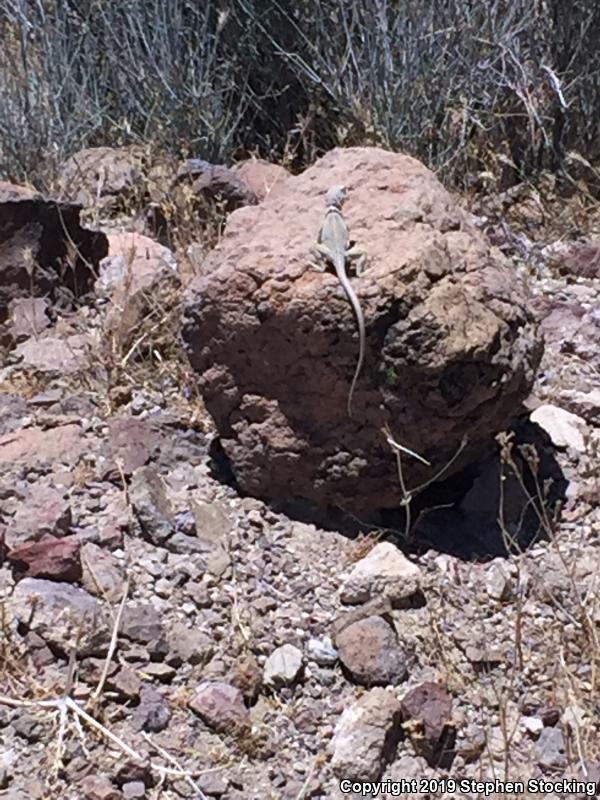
(321, 254)
(359, 258)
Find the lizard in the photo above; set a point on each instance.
(333, 246)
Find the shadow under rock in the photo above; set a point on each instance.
(495, 507)
(480, 513)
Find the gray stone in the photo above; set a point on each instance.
(550, 749)
(102, 573)
(61, 614)
(151, 505)
(322, 651)
(365, 736)
(283, 666)
(384, 571)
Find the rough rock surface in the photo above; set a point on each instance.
(385, 571)
(261, 176)
(275, 346)
(61, 614)
(365, 735)
(221, 706)
(139, 275)
(43, 248)
(370, 652)
(104, 177)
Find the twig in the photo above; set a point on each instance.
(165, 754)
(113, 644)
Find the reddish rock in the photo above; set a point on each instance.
(132, 441)
(34, 446)
(44, 511)
(99, 787)
(581, 259)
(261, 176)
(429, 705)
(370, 652)
(56, 559)
(259, 313)
(221, 706)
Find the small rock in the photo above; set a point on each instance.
(497, 581)
(384, 571)
(213, 784)
(153, 713)
(141, 623)
(60, 614)
(45, 511)
(188, 645)
(322, 651)
(283, 666)
(429, 705)
(365, 736)
(533, 726)
(102, 574)
(221, 706)
(52, 558)
(563, 428)
(99, 787)
(247, 677)
(132, 790)
(161, 672)
(370, 652)
(550, 749)
(126, 683)
(151, 505)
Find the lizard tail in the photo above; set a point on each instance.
(360, 321)
(361, 357)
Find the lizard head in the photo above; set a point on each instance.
(335, 196)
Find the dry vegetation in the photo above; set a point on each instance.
(481, 92)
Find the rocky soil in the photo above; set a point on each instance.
(164, 636)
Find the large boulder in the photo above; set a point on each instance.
(452, 344)
(44, 251)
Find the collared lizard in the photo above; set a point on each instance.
(333, 245)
